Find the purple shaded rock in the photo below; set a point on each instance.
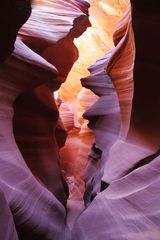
(7, 228)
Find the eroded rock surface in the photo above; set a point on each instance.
(113, 148)
(127, 207)
(31, 178)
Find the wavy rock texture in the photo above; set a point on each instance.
(24, 194)
(30, 175)
(108, 119)
(8, 230)
(96, 41)
(127, 207)
(122, 171)
(101, 120)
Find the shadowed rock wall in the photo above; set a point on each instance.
(127, 206)
(121, 172)
(30, 176)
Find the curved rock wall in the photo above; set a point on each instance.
(30, 175)
(24, 194)
(93, 45)
(127, 207)
(113, 147)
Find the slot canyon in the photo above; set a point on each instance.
(79, 120)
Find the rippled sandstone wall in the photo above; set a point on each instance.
(122, 137)
(30, 177)
(127, 206)
(93, 45)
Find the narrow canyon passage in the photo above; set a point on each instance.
(92, 45)
(79, 120)
(76, 99)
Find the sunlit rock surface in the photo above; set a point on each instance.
(111, 155)
(127, 207)
(93, 45)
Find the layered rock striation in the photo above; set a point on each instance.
(31, 179)
(112, 156)
(127, 206)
